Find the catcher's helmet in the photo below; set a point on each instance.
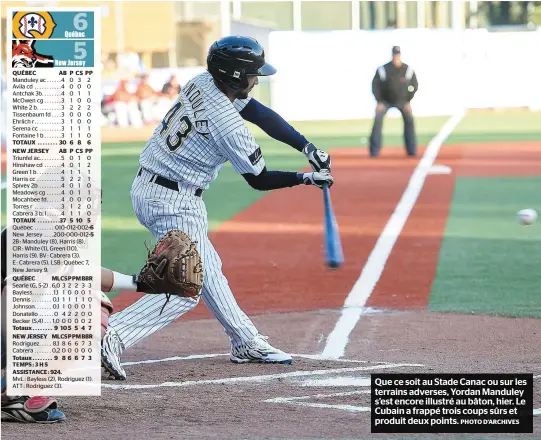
(231, 59)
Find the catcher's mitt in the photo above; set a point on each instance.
(173, 267)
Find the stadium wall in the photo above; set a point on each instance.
(328, 75)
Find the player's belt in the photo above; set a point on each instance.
(166, 183)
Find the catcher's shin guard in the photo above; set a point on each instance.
(37, 409)
(106, 311)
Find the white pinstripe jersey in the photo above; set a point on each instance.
(199, 134)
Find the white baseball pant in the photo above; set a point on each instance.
(160, 210)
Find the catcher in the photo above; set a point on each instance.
(174, 266)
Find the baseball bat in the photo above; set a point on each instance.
(333, 245)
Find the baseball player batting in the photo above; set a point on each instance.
(204, 129)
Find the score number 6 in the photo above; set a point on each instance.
(80, 23)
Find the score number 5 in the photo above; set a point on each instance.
(80, 23)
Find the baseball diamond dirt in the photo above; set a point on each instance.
(181, 384)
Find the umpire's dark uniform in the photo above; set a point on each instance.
(394, 85)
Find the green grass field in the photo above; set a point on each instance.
(488, 262)
(475, 263)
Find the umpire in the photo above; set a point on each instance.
(394, 85)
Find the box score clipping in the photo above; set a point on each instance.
(53, 233)
(469, 403)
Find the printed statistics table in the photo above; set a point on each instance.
(53, 202)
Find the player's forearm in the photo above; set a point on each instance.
(269, 180)
(112, 281)
(273, 124)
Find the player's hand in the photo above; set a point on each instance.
(407, 107)
(319, 159)
(318, 178)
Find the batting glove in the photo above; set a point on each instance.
(318, 179)
(318, 159)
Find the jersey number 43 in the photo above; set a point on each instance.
(183, 128)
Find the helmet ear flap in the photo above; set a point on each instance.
(236, 80)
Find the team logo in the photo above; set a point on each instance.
(33, 25)
(24, 54)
